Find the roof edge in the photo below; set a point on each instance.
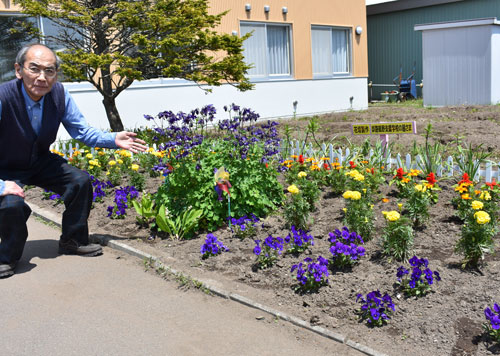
(457, 24)
(401, 5)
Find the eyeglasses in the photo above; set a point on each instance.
(49, 72)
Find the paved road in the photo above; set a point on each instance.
(108, 305)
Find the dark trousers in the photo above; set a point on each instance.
(53, 173)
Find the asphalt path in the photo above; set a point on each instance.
(109, 305)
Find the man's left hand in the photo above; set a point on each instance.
(127, 140)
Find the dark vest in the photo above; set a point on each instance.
(20, 146)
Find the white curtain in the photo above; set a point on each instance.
(340, 51)
(255, 48)
(279, 50)
(321, 51)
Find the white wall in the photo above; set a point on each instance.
(271, 99)
(495, 64)
(457, 66)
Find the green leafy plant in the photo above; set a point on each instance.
(470, 159)
(417, 205)
(397, 237)
(146, 209)
(431, 153)
(358, 213)
(296, 210)
(477, 237)
(179, 227)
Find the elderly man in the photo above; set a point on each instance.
(31, 109)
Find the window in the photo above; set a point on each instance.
(268, 50)
(331, 51)
(14, 34)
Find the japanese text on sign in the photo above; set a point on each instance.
(384, 128)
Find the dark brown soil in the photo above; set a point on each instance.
(448, 321)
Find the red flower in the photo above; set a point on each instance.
(351, 163)
(431, 178)
(267, 165)
(326, 166)
(301, 159)
(465, 180)
(372, 170)
(492, 184)
(400, 173)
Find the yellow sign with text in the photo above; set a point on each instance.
(384, 128)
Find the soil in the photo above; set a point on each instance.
(447, 321)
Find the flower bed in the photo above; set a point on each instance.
(447, 320)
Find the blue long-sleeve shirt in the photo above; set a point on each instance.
(73, 121)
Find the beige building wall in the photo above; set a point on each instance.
(8, 5)
(301, 15)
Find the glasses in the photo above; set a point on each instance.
(49, 72)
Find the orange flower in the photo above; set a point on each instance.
(466, 196)
(385, 200)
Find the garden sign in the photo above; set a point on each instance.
(384, 129)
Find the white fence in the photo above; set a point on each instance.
(448, 168)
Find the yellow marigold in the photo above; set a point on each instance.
(101, 153)
(359, 177)
(392, 216)
(119, 161)
(89, 155)
(324, 159)
(462, 188)
(477, 192)
(477, 205)
(112, 163)
(420, 188)
(293, 189)
(76, 153)
(414, 172)
(124, 153)
(294, 156)
(302, 174)
(315, 167)
(400, 206)
(94, 162)
(485, 196)
(482, 217)
(134, 167)
(405, 180)
(344, 210)
(310, 159)
(466, 196)
(353, 195)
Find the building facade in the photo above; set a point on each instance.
(307, 57)
(393, 44)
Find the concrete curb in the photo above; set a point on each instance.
(56, 219)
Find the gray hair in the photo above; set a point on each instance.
(21, 55)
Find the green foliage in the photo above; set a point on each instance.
(417, 205)
(470, 159)
(477, 238)
(146, 209)
(111, 43)
(431, 153)
(296, 211)
(358, 214)
(180, 227)
(255, 188)
(397, 237)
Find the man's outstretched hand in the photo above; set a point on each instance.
(128, 141)
(13, 189)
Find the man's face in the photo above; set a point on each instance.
(39, 72)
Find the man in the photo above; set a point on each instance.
(32, 107)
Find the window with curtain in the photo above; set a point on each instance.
(267, 50)
(14, 35)
(331, 51)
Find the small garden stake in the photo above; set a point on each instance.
(221, 178)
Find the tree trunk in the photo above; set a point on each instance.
(114, 119)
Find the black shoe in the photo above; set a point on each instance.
(72, 247)
(7, 270)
